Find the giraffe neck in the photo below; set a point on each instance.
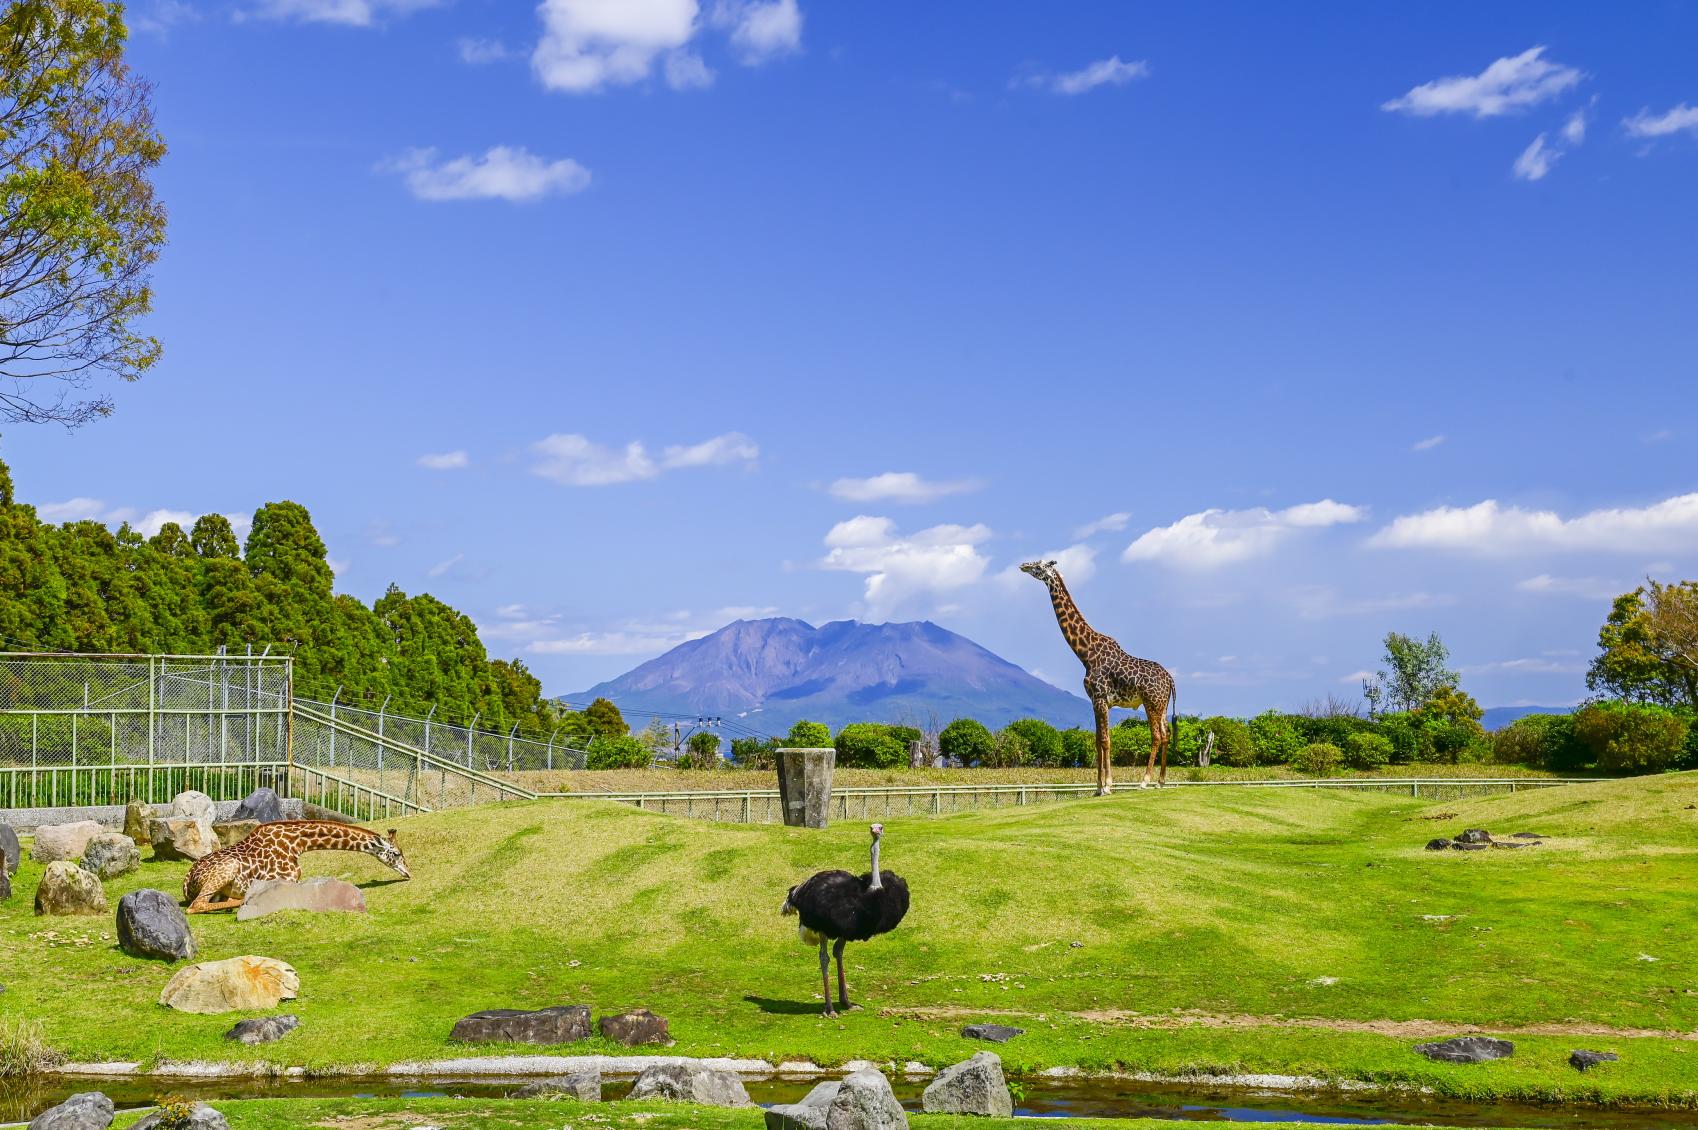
(1079, 635)
(324, 835)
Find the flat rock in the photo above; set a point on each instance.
(263, 1029)
(151, 924)
(639, 1026)
(110, 855)
(1475, 836)
(90, 1110)
(11, 854)
(236, 984)
(201, 1117)
(691, 1083)
(194, 805)
(137, 817)
(973, 1087)
(995, 1033)
(561, 1024)
(1440, 844)
(1526, 836)
(1512, 843)
(1582, 1061)
(262, 805)
(56, 842)
(1469, 845)
(232, 832)
(268, 896)
(67, 889)
(1467, 1049)
(181, 838)
(585, 1086)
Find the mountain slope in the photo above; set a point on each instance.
(769, 673)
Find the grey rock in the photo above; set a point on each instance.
(585, 1086)
(67, 889)
(1526, 836)
(1475, 836)
(691, 1083)
(1512, 843)
(110, 855)
(63, 841)
(1469, 845)
(1467, 1049)
(137, 818)
(90, 1110)
(804, 786)
(11, 854)
(262, 804)
(809, 1114)
(268, 896)
(865, 1101)
(201, 1117)
(561, 1024)
(232, 832)
(995, 1033)
(263, 1029)
(194, 805)
(1440, 844)
(973, 1087)
(181, 838)
(1582, 1060)
(151, 924)
(639, 1026)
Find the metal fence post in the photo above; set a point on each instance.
(510, 735)
(152, 704)
(333, 699)
(469, 731)
(428, 717)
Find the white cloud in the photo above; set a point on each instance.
(160, 16)
(1111, 71)
(338, 565)
(1321, 602)
(154, 520)
(898, 486)
(445, 461)
(1106, 524)
(478, 51)
(899, 567)
(612, 643)
(761, 29)
(686, 71)
(1221, 537)
(71, 510)
(590, 44)
(148, 524)
(1536, 160)
(1357, 677)
(1676, 119)
(1490, 528)
(351, 13)
(1510, 84)
(1427, 444)
(442, 567)
(503, 173)
(1077, 563)
(575, 460)
(1587, 588)
(1536, 666)
(1574, 130)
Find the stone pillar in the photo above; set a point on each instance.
(917, 758)
(804, 786)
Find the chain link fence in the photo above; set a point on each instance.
(484, 750)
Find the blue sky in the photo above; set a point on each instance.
(609, 322)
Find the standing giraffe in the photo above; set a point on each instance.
(1113, 678)
(274, 851)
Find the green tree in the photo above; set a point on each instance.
(1367, 750)
(1235, 744)
(79, 226)
(32, 591)
(868, 745)
(808, 735)
(704, 747)
(618, 751)
(1043, 741)
(604, 719)
(754, 753)
(966, 740)
(1275, 736)
(1544, 741)
(1414, 672)
(1631, 737)
(1078, 747)
(1648, 646)
(1010, 750)
(213, 537)
(1317, 758)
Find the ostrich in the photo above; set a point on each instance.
(837, 907)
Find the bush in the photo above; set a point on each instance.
(1234, 744)
(1331, 729)
(1631, 738)
(1545, 741)
(869, 745)
(1275, 737)
(618, 751)
(906, 734)
(1043, 741)
(967, 741)
(1008, 751)
(808, 735)
(1078, 747)
(1128, 743)
(1367, 751)
(1454, 739)
(1318, 758)
(701, 751)
(1409, 739)
(754, 753)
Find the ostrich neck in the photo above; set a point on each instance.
(878, 880)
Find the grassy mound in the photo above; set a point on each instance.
(1291, 931)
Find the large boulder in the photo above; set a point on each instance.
(182, 838)
(690, 1083)
(263, 805)
(1467, 1049)
(110, 855)
(585, 1086)
(236, 984)
(10, 852)
(232, 832)
(639, 1026)
(67, 889)
(268, 896)
(90, 1110)
(151, 924)
(195, 805)
(54, 842)
(1475, 836)
(199, 1117)
(263, 1029)
(561, 1024)
(862, 1101)
(138, 816)
(973, 1087)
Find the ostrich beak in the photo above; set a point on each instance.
(878, 830)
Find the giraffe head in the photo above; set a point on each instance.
(1044, 571)
(383, 849)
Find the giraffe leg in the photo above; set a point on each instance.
(1155, 744)
(1105, 776)
(825, 976)
(1166, 740)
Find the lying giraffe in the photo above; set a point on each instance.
(273, 851)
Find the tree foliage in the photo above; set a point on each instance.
(809, 735)
(1414, 672)
(1648, 646)
(1629, 737)
(870, 745)
(80, 228)
(1043, 741)
(966, 740)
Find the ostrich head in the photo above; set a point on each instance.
(1044, 571)
(383, 849)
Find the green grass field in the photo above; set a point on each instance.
(1280, 931)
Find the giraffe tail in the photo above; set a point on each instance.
(1173, 726)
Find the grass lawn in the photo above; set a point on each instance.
(1289, 931)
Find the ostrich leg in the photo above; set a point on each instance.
(1105, 775)
(825, 976)
(842, 989)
